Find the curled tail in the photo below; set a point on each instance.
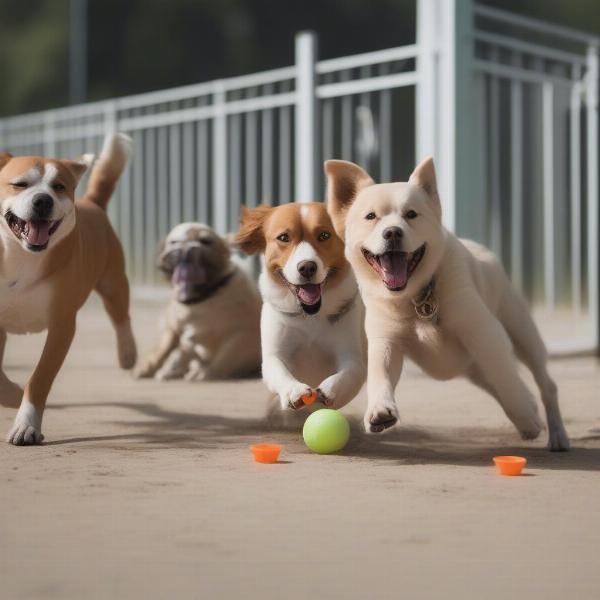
(108, 169)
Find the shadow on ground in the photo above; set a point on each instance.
(405, 445)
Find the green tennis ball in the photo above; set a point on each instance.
(326, 431)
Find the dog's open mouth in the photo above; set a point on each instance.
(36, 234)
(309, 296)
(395, 267)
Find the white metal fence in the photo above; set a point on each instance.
(507, 105)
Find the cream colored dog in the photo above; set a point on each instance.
(211, 328)
(443, 302)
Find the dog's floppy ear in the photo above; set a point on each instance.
(4, 158)
(424, 177)
(344, 181)
(251, 237)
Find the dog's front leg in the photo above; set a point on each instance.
(341, 387)
(27, 428)
(155, 359)
(280, 381)
(385, 360)
(10, 393)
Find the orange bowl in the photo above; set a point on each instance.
(510, 465)
(309, 398)
(266, 453)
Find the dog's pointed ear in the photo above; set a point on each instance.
(78, 167)
(344, 181)
(424, 177)
(251, 237)
(4, 158)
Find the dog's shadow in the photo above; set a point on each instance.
(404, 445)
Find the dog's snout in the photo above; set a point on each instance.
(392, 234)
(307, 268)
(42, 205)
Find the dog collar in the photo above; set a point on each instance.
(426, 305)
(343, 310)
(206, 294)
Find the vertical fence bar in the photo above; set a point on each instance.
(347, 120)
(516, 179)
(494, 158)
(548, 187)
(49, 134)
(175, 187)
(188, 179)
(575, 189)
(251, 156)
(202, 176)
(592, 190)
(385, 130)
(220, 159)
(234, 156)
(306, 118)
(150, 203)
(266, 148)
(285, 154)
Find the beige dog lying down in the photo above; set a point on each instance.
(443, 302)
(211, 328)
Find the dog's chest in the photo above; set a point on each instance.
(436, 351)
(24, 301)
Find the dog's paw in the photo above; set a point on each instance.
(527, 420)
(144, 371)
(328, 399)
(380, 417)
(292, 398)
(558, 440)
(168, 375)
(27, 428)
(126, 347)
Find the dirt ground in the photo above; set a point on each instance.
(148, 490)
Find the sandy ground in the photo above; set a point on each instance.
(147, 490)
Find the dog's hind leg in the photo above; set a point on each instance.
(113, 288)
(490, 349)
(530, 348)
(10, 392)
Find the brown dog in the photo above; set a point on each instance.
(53, 253)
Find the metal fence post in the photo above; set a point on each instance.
(219, 160)
(426, 89)
(591, 100)
(444, 92)
(305, 124)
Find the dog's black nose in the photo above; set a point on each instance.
(392, 233)
(42, 205)
(307, 268)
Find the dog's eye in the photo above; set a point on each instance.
(371, 216)
(284, 237)
(411, 214)
(206, 241)
(20, 185)
(58, 187)
(324, 235)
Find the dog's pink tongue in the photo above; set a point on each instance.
(185, 277)
(309, 293)
(395, 269)
(37, 232)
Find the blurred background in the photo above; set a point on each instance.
(136, 46)
(228, 105)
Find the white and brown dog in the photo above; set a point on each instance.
(443, 302)
(211, 328)
(312, 317)
(53, 253)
